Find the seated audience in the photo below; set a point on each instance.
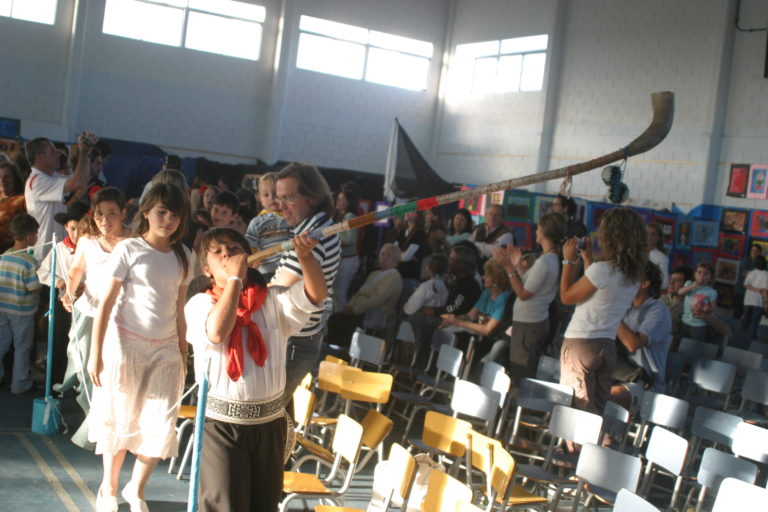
(656, 251)
(756, 286)
(674, 302)
(381, 290)
(433, 292)
(493, 233)
(460, 228)
(645, 333)
(346, 209)
(413, 243)
(435, 227)
(11, 200)
(699, 300)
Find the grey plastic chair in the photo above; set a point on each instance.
(715, 467)
(760, 347)
(537, 396)
(712, 377)
(666, 450)
(615, 423)
(375, 322)
(477, 402)
(743, 359)
(712, 425)
(440, 337)
(674, 372)
(404, 335)
(751, 442)
(735, 494)
(695, 349)
(627, 501)
(602, 473)
(495, 377)
(365, 348)
(659, 409)
(548, 368)
(753, 392)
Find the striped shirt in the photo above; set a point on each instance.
(18, 283)
(327, 252)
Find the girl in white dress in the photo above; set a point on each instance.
(138, 347)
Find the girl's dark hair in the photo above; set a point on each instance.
(103, 195)
(220, 236)
(653, 274)
(18, 183)
(352, 202)
(174, 199)
(760, 262)
(464, 213)
(623, 242)
(655, 226)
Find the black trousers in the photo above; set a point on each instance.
(242, 466)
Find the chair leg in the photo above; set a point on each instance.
(187, 453)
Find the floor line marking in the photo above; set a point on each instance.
(45, 469)
(71, 471)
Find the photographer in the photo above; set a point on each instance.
(645, 332)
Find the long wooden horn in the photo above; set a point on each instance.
(663, 104)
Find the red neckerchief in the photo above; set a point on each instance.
(251, 299)
(69, 243)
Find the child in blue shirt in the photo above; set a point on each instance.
(699, 300)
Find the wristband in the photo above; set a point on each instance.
(569, 262)
(512, 274)
(235, 278)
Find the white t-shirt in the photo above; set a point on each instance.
(432, 293)
(543, 281)
(599, 316)
(283, 314)
(96, 276)
(151, 279)
(757, 279)
(64, 258)
(44, 196)
(662, 261)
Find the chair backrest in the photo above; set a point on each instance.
(743, 359)
(663, 410)
(713, 376)
(375, 319)
(306, 381)
(716, 466)
(760, 347)
(487, 455)
(449, 360)
(548, 369)
(405, 332)
(575, 425)
(444, 493)
(329, 375)
(539, 395)
(332, 359)
(376, 427)
(467, 506)
(716, 426)
(363, 386)
(607, 468)
(395, 479)
(615, 421)
(347, 439)
(697, 349)
(627, 501)
(366, 348)
(442, 337)
(735, 494)
(476, 401)
(667, 450)
(445, 433)
(751, 442)
(755, 388)
(674, 367)
(303, 406)
(495, 377)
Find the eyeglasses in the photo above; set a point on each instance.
(288, 199)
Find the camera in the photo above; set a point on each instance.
(582, 243)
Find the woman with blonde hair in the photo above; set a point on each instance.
(602, 296)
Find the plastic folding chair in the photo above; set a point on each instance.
(714, 468)
(602, 473)
(714, 378)
(627, 501)
(367, 349)
(392, 482)
(735, 494)
(751, 442)
(346, 448)
(660, 409)
(666, 451)
(754, 392)
(548, 368)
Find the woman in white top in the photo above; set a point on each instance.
(602, 297)
(85, 284)
(535, 291)
(656, 252)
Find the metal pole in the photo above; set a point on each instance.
(194, 477)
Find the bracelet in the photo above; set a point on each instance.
(235, 278)
(567, 262)
(512, 274)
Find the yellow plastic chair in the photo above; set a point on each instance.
(445, 493)
(360, 386)
(396, 479)
(444, 437)
(346, 449)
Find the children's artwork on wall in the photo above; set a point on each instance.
(758, 176)
(523, 233)
(517, 207)
(495, 198)
(595, 213)
(681, 259)
(667, 228)
(737, 183)
(542, 206)
(703, 256)
(684, 232)
(727, 271)
(365, 205)
(731, 245)
(758, 226)
(474, 204)
(645, 215)
(724, 294)
(734, 221)
(705, 233)
(763, 244)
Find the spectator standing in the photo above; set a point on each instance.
(747, 264)
(492, 233)
(566, 206)
(699, 300)
(656, 252)
(756, 286)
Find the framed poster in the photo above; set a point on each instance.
(758, 176)
(724, 294)
(680, 259)
(523, 233)
(762, 243)
(518, 207)
(758, 226)
(705, 233)
(683, 233)
(734, 220)
(494, 198)
(595, 213)
(474, 204)
(703, 256)
(737, 183)
(731, 245)
(727, 271)
(364, 205)
(542, 206)
(667, 228)
(8, 145)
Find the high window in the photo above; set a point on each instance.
(225, 27)
(361, 54)
(508, 65)
(39, 11)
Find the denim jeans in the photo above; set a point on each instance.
(17, 331)
(302, 357)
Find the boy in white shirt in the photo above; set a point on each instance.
(756, 291)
